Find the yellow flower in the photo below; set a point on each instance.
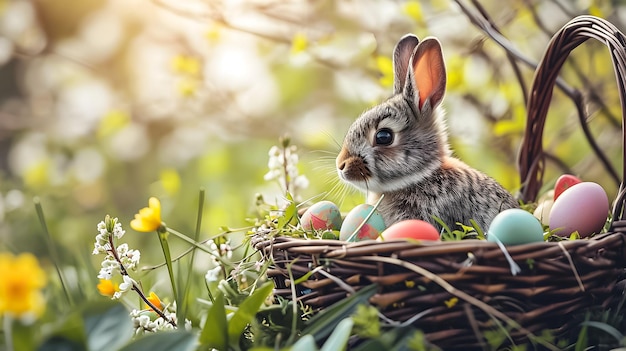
(414, 10)
(20, 286)
(299, 43)
(154, 299)
(187, 87)
(170, 181)
(149, 218)
(385, 67)
(107, 287)
(186, 65)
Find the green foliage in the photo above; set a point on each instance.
(464, 232)
(366, 322)
(169, 340)
(97, 326)
(106, 326)
(215, 331)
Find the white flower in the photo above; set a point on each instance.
(274, 151)
(275, 162)
(102, 228)
(258, 265)
(272, 174)
(131, 259)
(118, 232)
(301, 182)
(122, 249)
(102, 240)
(109, 266)
(124, 287)
(283, 168)
(213, 275)
(226, 250)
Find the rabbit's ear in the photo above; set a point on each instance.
(429, 73)
(401, 59)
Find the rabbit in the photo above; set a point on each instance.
(399, 148)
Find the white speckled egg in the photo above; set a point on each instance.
(544, 206)
(583, 208)
(370, 230)
(515, 227)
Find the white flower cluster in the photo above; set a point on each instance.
(213, 274)
(102, 244)
(124, 287)
(127, 258)
(143, 324)
(224, 250)
(283, 167)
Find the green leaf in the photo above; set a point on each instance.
(306, 343)
(22, 335)
(290, 213)
(609, 329)
(247, 310)
(186, 291)
(107, 326)
(57, 343)
(168, 261)
(68, 333)
(179, 340)
(323, 323)
(397, 338)
(215, 332)
(339, 338)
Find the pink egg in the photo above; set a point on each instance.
(411, 229)
(583, 208)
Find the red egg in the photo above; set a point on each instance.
(565, 182)
(411, 229)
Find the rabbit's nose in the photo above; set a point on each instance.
(341, 165)
(341, 159)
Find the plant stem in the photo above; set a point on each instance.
(193, 243)
(183, 306)
(8, 331)
(168, 261)
(53, 251)
(136, 288)
(152, 306)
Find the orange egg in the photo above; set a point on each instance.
(411, 229)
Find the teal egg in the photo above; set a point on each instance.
(370, 230)
(322, 215)
(515, 227)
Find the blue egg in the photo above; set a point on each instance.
(515, 227)
(369, 230)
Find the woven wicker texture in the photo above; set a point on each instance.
(454, 291)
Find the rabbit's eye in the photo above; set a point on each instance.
(384, 137)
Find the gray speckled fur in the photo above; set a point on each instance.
(416, 173)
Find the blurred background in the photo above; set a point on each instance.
(104, 103)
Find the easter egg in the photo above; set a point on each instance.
(544, 206)
(322, 215)
(411, 229)
(369, 230)
(515, 227)
(563, 183)
(582, 208)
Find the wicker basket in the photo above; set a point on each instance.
(454, 291)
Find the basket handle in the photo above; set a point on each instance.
(531, 160)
